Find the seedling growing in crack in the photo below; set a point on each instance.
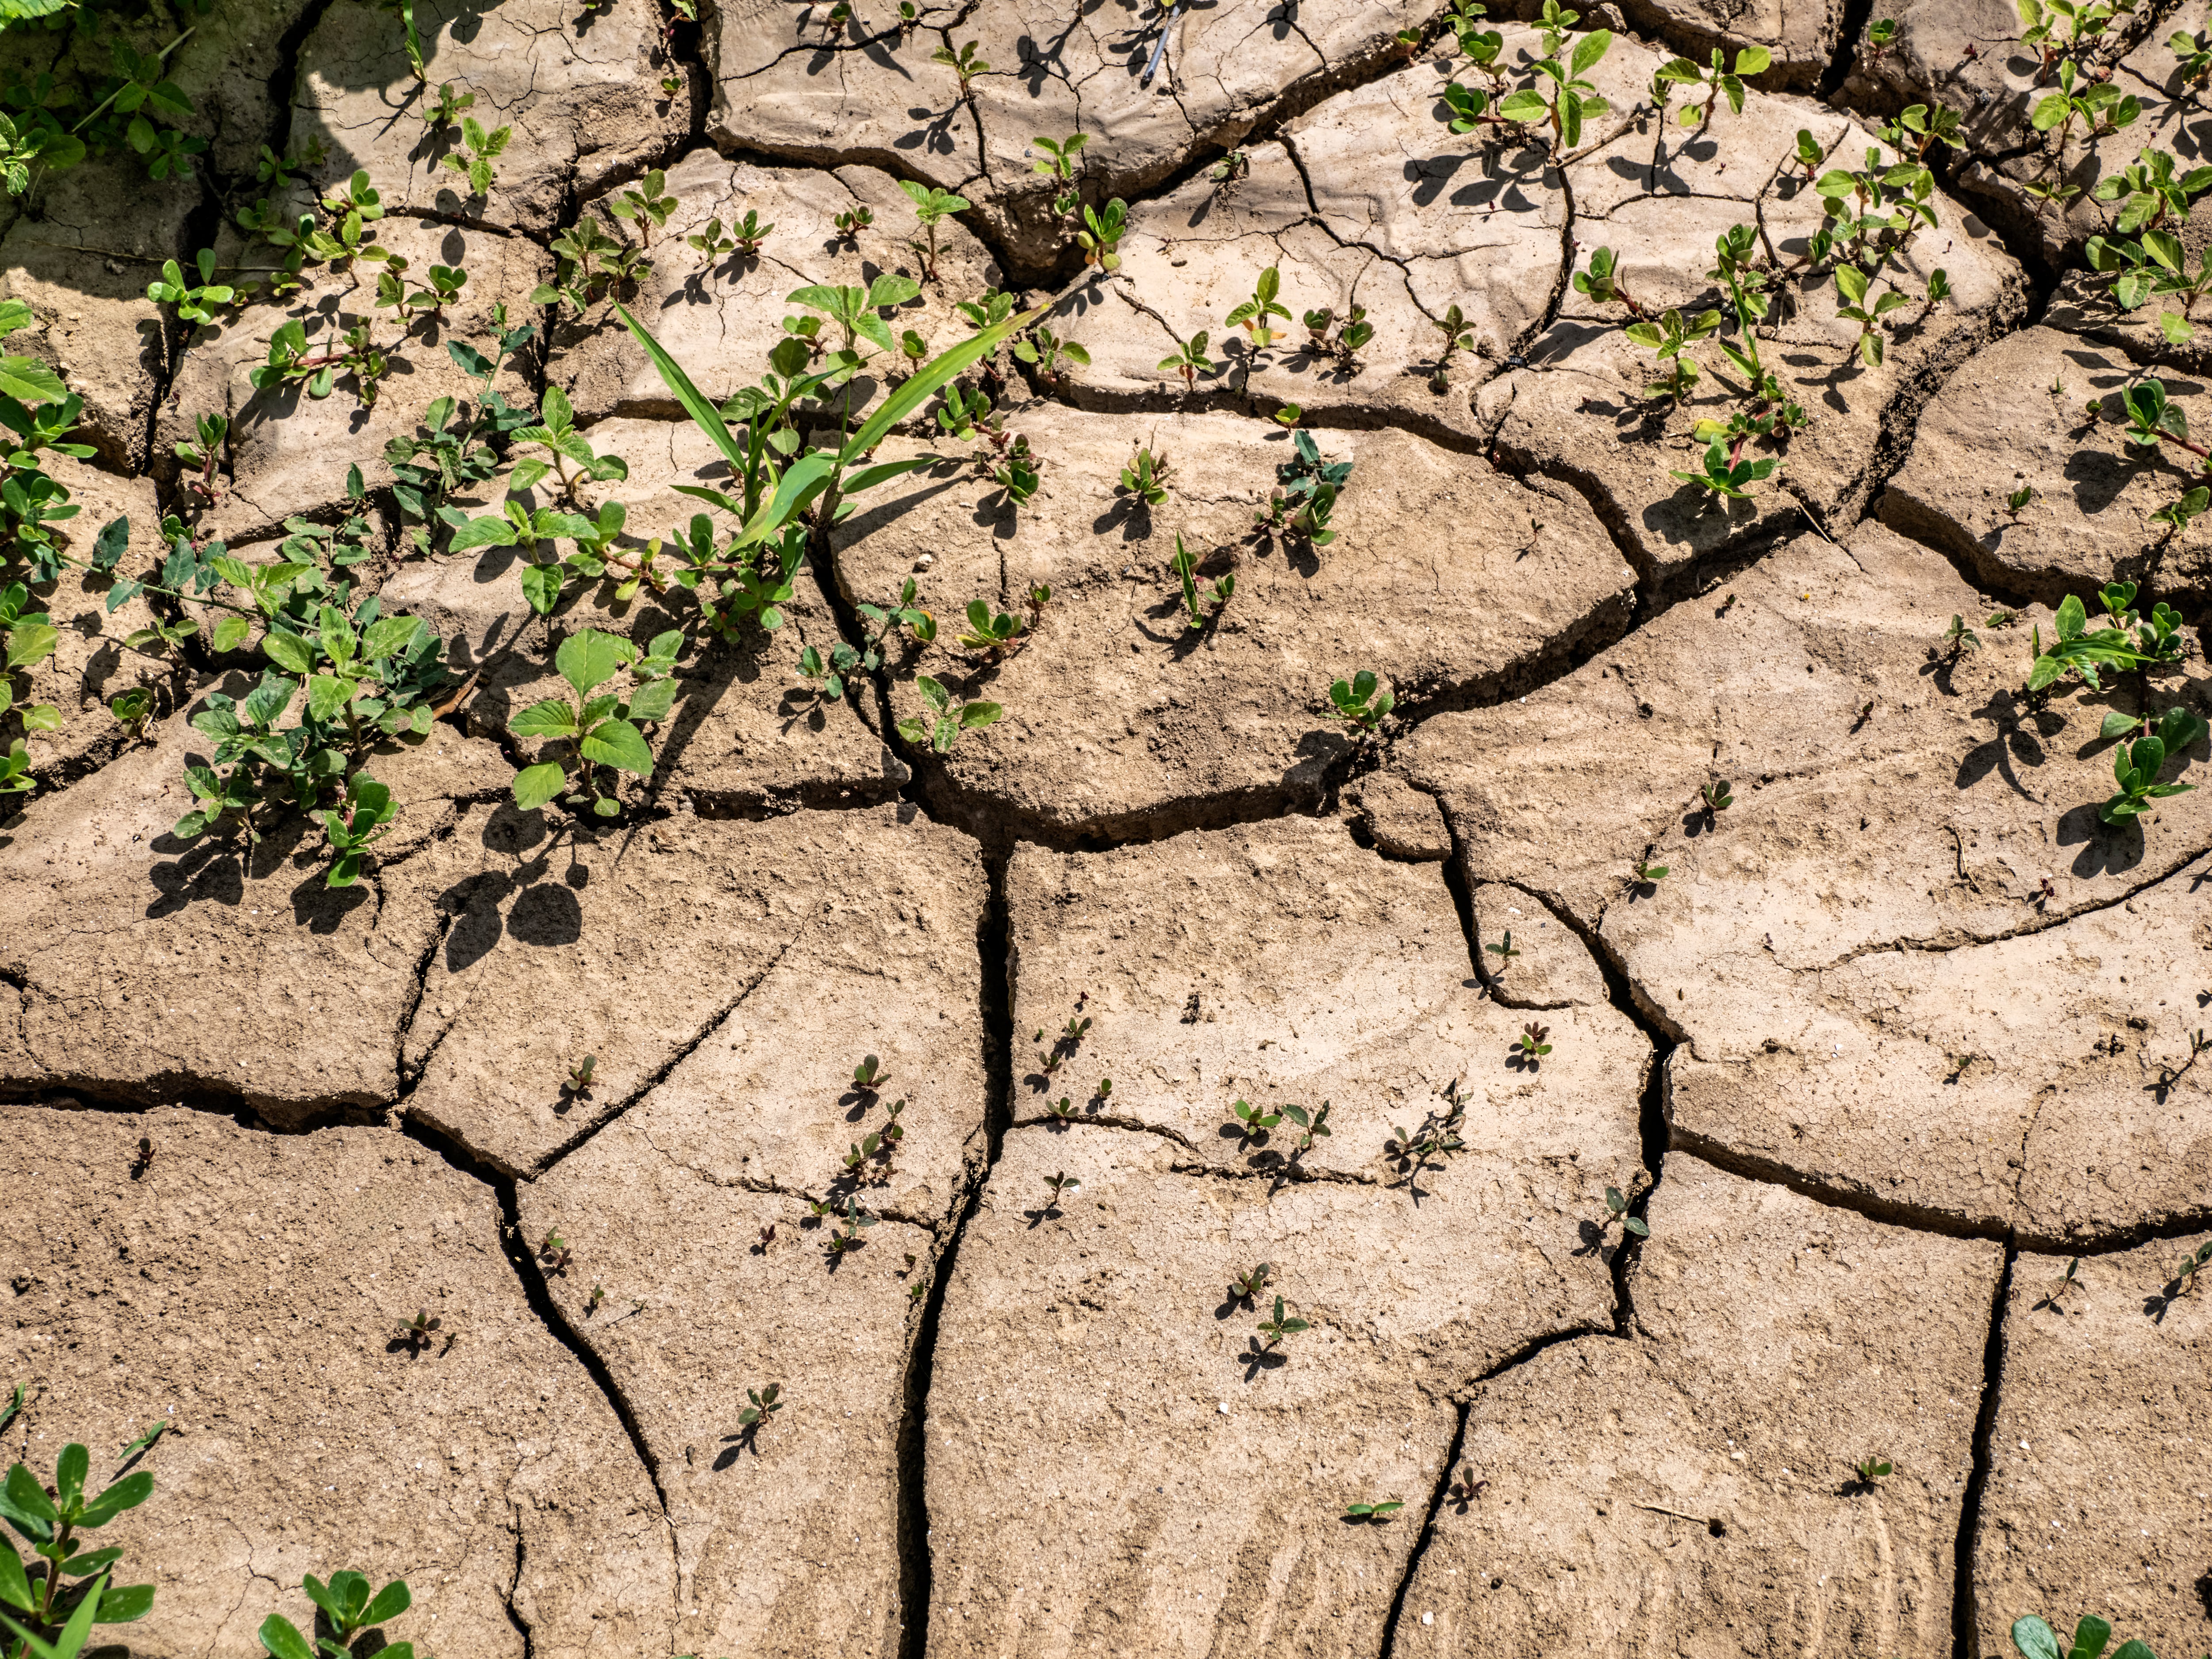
(1325, 336)
(1099, 239)
(1254, 315)
(964, 62)
(2176, 513)
(931, 206)
(418, 1332)
(1231, 167)
(2136, 767)
(2035, 1639)
(1437, 1137)
(1357, 701)
(1645, 874)
(1044, 350)
(2100, 107)
(1189, 360)
(1059, 164)
(1671, 337)
(1616, 1209)
(579, 1078)
(348, 1609)
(941, 727)
(1529, 1047)
(1503, 949)
(1917, 126)
(1061, 1183)
(856, 1221)
(1185, 565)
(1719, 82)
(1062, 1110)
(1257, 1120)
(1374, 1513)
(994, 635)
(1457, 337)
(1724, 473)
(195, 302)
(557, 1255)
(1246, 1286)
(1872, 1469)
(1714, 799)
(1146, 477)
(1851, 283)
(1313, 1126)
(1275, 1331)
(1464, 1489)
(1602, 286)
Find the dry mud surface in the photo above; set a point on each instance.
(1719, 1105)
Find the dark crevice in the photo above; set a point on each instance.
(993, 944)
(1963, 1642)
(1438, 1499)
(514, 1615)
(1857, 15)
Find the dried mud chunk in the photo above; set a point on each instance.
(1315, 971)
(90, 664)
(1095, 1378)
(81, 261)
(151, 967)
(289, 453)
(1696, 1484)
(701, 1307)
(746, 732)
(1404, 823)
(1119, 719)
(719, 315)
(487, 1470)
(871, 93)
(2096, 1495)
(715, 945)
(582, 94)
(1808, 944)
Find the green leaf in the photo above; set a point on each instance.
(492, 532)
(283, 1640)
(2089, 1638)
(390, 1601)
(923, 384)
(2073, 617)
(69, 1470)
(1587, 49)
(541, 587)
(327, 695)
(533, 787)
(289, 651)
(1753, 60)
(1524, 106)
(703, 414)
(30, 381)
(555, 717)
(124, 1603)
(15, 1587)
(652, 702)
(128, 1493)
(618, 744)
(979, 714)
(589, 658)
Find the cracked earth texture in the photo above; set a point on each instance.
(1631, 1170)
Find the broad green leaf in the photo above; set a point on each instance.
(979, 714)
(30, 642)
(555, 717)
(30, 381)
(1753, 60)
(327, 695)
(390, 1601)
(533, 787)
(653, 700)
(287, 651)
(231, 633)
(15, 1587)
(124, 1603)
(277, 1633)
(541, 587)
(483, 533)
(923, 384)
(2072, 617)
(1587, 49)
(1524, 106)
(588, 658)
(619, 744)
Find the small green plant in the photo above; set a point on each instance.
(2199, 1045)
(2126, 642)
(1881, 36)
(1340, 339)
(868, 1075)
(1724, 473)
(1436, 1137)
(442, 112)
(940, 728)
(478, 157)
(1189, 360)
(419, 1331)
(1670, 336)
(857, 1220)
(50, 1617)
(994, 635)
(1376, 1512)
(850, 223)
(766, 1403)
(1244, 1286)
(1045, 351)
(2033, 1637)
(1573, 99)
(1503, 949)
(1185, 565)
(744, 236)
(1145, 476)
(647, 206)
(2136, 766)
(932, 206)
(598, 728)
(556, 1253)
(1099, 239)
(2100, 105)
(963, 63)
(2062, 1286)
(580, 1076)
(1601, 283)
(1356, 700)
(1061, 1183)
(1256, 1121)
(1851, 283)
(1530, 1047)
(1616, 1209)
(1719, 82)
(1713, 798)
(1457, 337)
(1254, 315)
(1645, 873)
(1059, 164)
(349, 1610)
(1278, 1329)
(1871, 1470)
(195, 302)
(598, 1295)
(1231, 167)
(2189, 1268)
(1313, 1126)
(2176, 515)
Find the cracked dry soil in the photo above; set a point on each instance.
(1899, 1034)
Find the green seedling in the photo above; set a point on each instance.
(442, 112)
(1871, 1470)
(1105, 1091)
(1231, 167)
(1713, 798)
(1328, 337)
(598, 1295)
(2199, 1044)
(647, 206)
(580, 1075)
(2176, 515)
(1917, 126)
(994, 635)
(1601, 284)
(1016, 469)
(2062, 1286)
(1503, 949)
(195, 302)
(51, 1618)
(1958, 637)
(1288, 414)
(1257, 1120)
(1851, 283)
(1313, 1126)
(1247, 1285)
(555, 1252)
(1059, 163)
(2186, 1271)
(1881, 36)
(364, 816)
(1280, 1329)
(1045, 351)
(850, 223)
(1254, 315)
(1357, 701)
(1061, 1183)
(419, 1331)
(744, 236)
(598, 728)
(2016, 502)
(1185, 565)
(2125, 641)
(478, 157)
(1571, 100)
(1725, 474)
(856, 314)
(856, 1220)
(146, 1441)
(2150, 191)
(963, 63)
(1465, 1488)
(1374, 1512)
(1719, 82)
(2033, 1637)
(931, 206)
(1457, 337)
(1616, 1209)
(1099, 239)
(1670, 336)
(1645, 873)
(766, 1403)
(2136, 766)
(1438, 1136)
(2100, 107)
(441, 287)
(348, 1609)
(868, 1075)
(1530, 1046)
(1146, 477)
(1062, 1110)
(941, 726)
(1189, 360)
